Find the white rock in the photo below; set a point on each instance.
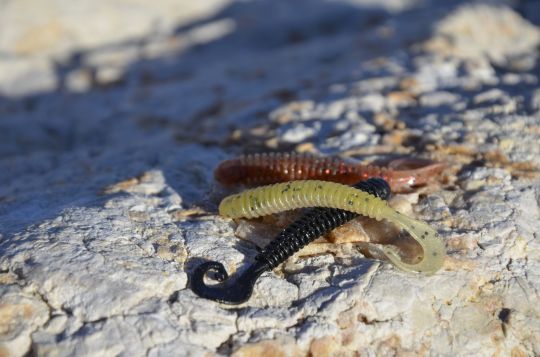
(108, 201)
(480, 29)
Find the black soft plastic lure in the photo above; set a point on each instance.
(315, 223)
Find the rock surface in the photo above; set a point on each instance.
(108, 139)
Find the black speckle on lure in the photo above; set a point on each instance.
(315, 223)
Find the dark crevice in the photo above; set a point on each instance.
(173, 297)
(504, 317)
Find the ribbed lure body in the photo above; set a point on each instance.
(281, 197)
(268, 168)
(313, 224)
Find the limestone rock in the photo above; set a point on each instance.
(108, 140)
(480, 30)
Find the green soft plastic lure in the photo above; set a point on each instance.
(286, 196)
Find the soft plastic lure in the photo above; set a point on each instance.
(281, 197)
(268, 168)
(313, 224)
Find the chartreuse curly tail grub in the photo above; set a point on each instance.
(286, 196)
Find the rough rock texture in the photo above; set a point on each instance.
(108, 139)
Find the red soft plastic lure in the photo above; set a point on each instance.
(267, 168)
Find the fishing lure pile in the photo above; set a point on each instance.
(307, 184)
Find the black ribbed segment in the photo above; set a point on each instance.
(315, 223)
